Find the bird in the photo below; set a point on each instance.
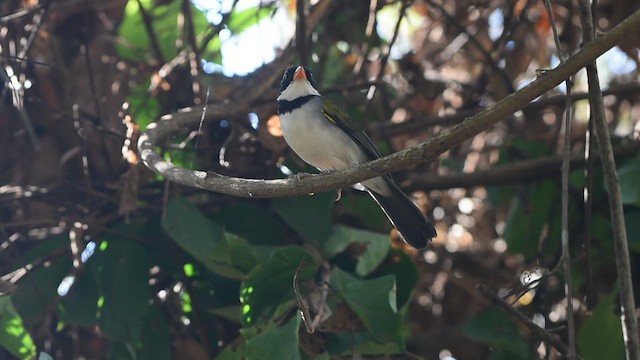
(325, 137)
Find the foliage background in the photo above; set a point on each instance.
(105, 260)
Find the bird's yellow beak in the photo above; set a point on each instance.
(299, 74)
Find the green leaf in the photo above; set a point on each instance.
(223, 253)
(155, 341)
(365, 209)
(632, 224)
(377, 247)
(120, 264)
(629, 174)
(144, 107)
(600, 336)
(309, 216)
(374, 301)
(271, 283)
(347, 343)
(136, 43)
(80, 305)
(231, 313)
(241, 20)
(37, 291)
(494, 328)
(56, 243)
(254, 223)
(276, 343)
(527, 217)
(234, 351)
(402, 266)
(13, 335)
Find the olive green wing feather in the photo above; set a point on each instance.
(342, 120)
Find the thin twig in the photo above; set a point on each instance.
(612, 182)
(148, 24)
(368, 32)
(565, 259)
(525, 170)
(588, 212)
(476, 43)
(301, 33)
(536, 330)
(302, 303)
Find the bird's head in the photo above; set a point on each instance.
(296, 83)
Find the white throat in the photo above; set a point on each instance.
(297, 89)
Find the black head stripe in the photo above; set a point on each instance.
(287, 78)
(309, 75)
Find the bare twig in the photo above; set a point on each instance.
(565, 259)
(476, 43)
(301, 33)
(627, 301)
(302, 303)
(148, 24)
(389, 128)
(536, 330)
(425, 152)
(588, 211)
(526, 170)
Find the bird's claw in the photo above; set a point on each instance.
(339, 195)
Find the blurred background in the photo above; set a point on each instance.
(102, 259)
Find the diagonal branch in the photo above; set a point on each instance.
(425, 152)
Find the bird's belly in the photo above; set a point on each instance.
(320, 143)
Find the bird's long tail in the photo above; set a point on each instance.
(405, 216)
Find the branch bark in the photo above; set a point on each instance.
(612, 183)
(425, 152)
(526, 170)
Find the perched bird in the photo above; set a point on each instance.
(325, 137)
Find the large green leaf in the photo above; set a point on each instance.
(144, 107)
(629, 175)
(374, 301)
(50, 245)
(365, 209)
(276, 343)
(271, 283)
(241, 20)
(528, 215)
(37, 291)
(495, 329)
(13, 335)
(121, 270)
(254, 223)
(600, 336)
(402, 266)
(365, 343)
(155, 341)
(377, 247)
(136, 42)
(223, 253)
(80, 305)
(309, 216)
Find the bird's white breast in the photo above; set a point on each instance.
(317, 141)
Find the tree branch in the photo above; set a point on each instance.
(526, 170)
(612, 183)
(425, 152)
